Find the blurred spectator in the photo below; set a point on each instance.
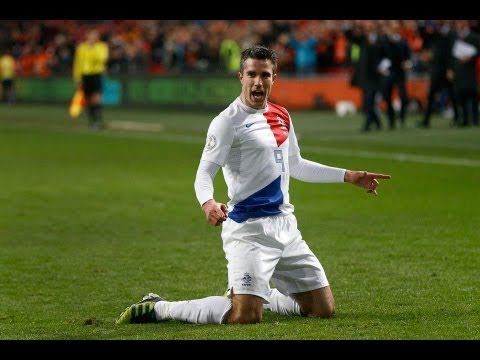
(398, 52)
(42, 62)
(63, 53)
(158, 47)
(230, 51)
(7, 76)
(321, 30)
(340, 49)
(304, 46)
(26, 60)
(369, 69)
(353, 31)
(284, 53)
(440, 47)
(90, 62)
(155, 37)
(465, 54)
(411, 33)
(117, 60)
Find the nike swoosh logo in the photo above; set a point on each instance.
(250, 124)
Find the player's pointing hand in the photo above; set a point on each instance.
(365, 179)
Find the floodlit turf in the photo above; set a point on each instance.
(91, 221)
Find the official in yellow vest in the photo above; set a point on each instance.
(89, 65)
(7, 76)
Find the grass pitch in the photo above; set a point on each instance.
(91, 221)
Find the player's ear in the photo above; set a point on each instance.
(274, 77)
(240, 76)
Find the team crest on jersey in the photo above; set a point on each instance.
(211, 142)
(246, 279)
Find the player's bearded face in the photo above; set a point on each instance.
(257, 79)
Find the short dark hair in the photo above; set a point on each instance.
(260, 53)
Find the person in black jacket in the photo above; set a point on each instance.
(398, 52)
(368, 70)
(465, 54)
(441, 69)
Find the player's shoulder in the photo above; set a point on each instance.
(272, 107)
(224, 118)
(234, 112)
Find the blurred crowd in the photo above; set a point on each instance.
(44, 48)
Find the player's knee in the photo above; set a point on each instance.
(246, 309)
(326, 311)
(244, 317)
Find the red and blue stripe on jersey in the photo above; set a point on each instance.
(266, 201)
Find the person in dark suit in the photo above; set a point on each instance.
(367, 70)
(465, 73)
(398, 52)
(440, 46)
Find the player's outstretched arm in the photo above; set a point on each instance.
(365, 179)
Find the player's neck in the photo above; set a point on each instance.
(244, 102)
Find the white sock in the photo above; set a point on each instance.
(282, 304)
(209, 310)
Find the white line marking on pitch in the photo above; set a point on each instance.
(134, 125)
(394, 156)
(439, 160)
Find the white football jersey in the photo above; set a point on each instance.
(254, 148)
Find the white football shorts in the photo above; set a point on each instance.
(267, 249)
